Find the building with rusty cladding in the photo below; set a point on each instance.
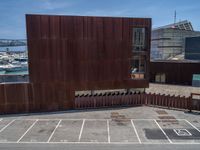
(77, 53)
(179, 72)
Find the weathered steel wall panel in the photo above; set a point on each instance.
(176, 72)
(133, 99)
(69, 53)
(82, 50)
(27, 97)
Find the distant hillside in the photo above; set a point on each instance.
(11, 42)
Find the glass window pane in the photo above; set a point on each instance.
(138, 39)
(138, 67)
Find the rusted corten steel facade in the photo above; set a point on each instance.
(176, 72)
(33, 97)
(73, 53)
(87, 53)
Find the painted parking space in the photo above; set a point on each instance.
(94, 131)
(14, 130)
(149, 132)
(4, 123)
(97, 131)
(196, 123)
(67, 131)
(122, 131)
(41, 131)
(180, 131)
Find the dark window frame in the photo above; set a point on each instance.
(145, 39)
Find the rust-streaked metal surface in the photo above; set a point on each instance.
(84, 52)
(70, 53)
(176, 72)
(134, 99)
(29, 97)
(195, 101)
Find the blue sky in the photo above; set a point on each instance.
(12, 12)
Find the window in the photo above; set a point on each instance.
(160, 78)
(138, 67)
(138, 61)
(139, 39)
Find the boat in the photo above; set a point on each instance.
(15, 68)
(13, 62)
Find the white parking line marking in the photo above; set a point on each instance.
(27, 131)
(96, 142)
(192, 125)
(163, 132)
(108, 129)
(54, 131)
(57, 119)
(7, 126)
(79, 138)
(136, 131)
(114, 143)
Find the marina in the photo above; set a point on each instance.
(13, 62)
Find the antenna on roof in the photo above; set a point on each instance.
(174, 17)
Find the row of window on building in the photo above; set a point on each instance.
(138, 60)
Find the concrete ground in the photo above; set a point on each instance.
(172, 89)
(118, 128)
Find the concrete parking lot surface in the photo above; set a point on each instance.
(119, 128)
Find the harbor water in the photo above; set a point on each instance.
(13, 48)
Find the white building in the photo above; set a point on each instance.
(169, 41)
